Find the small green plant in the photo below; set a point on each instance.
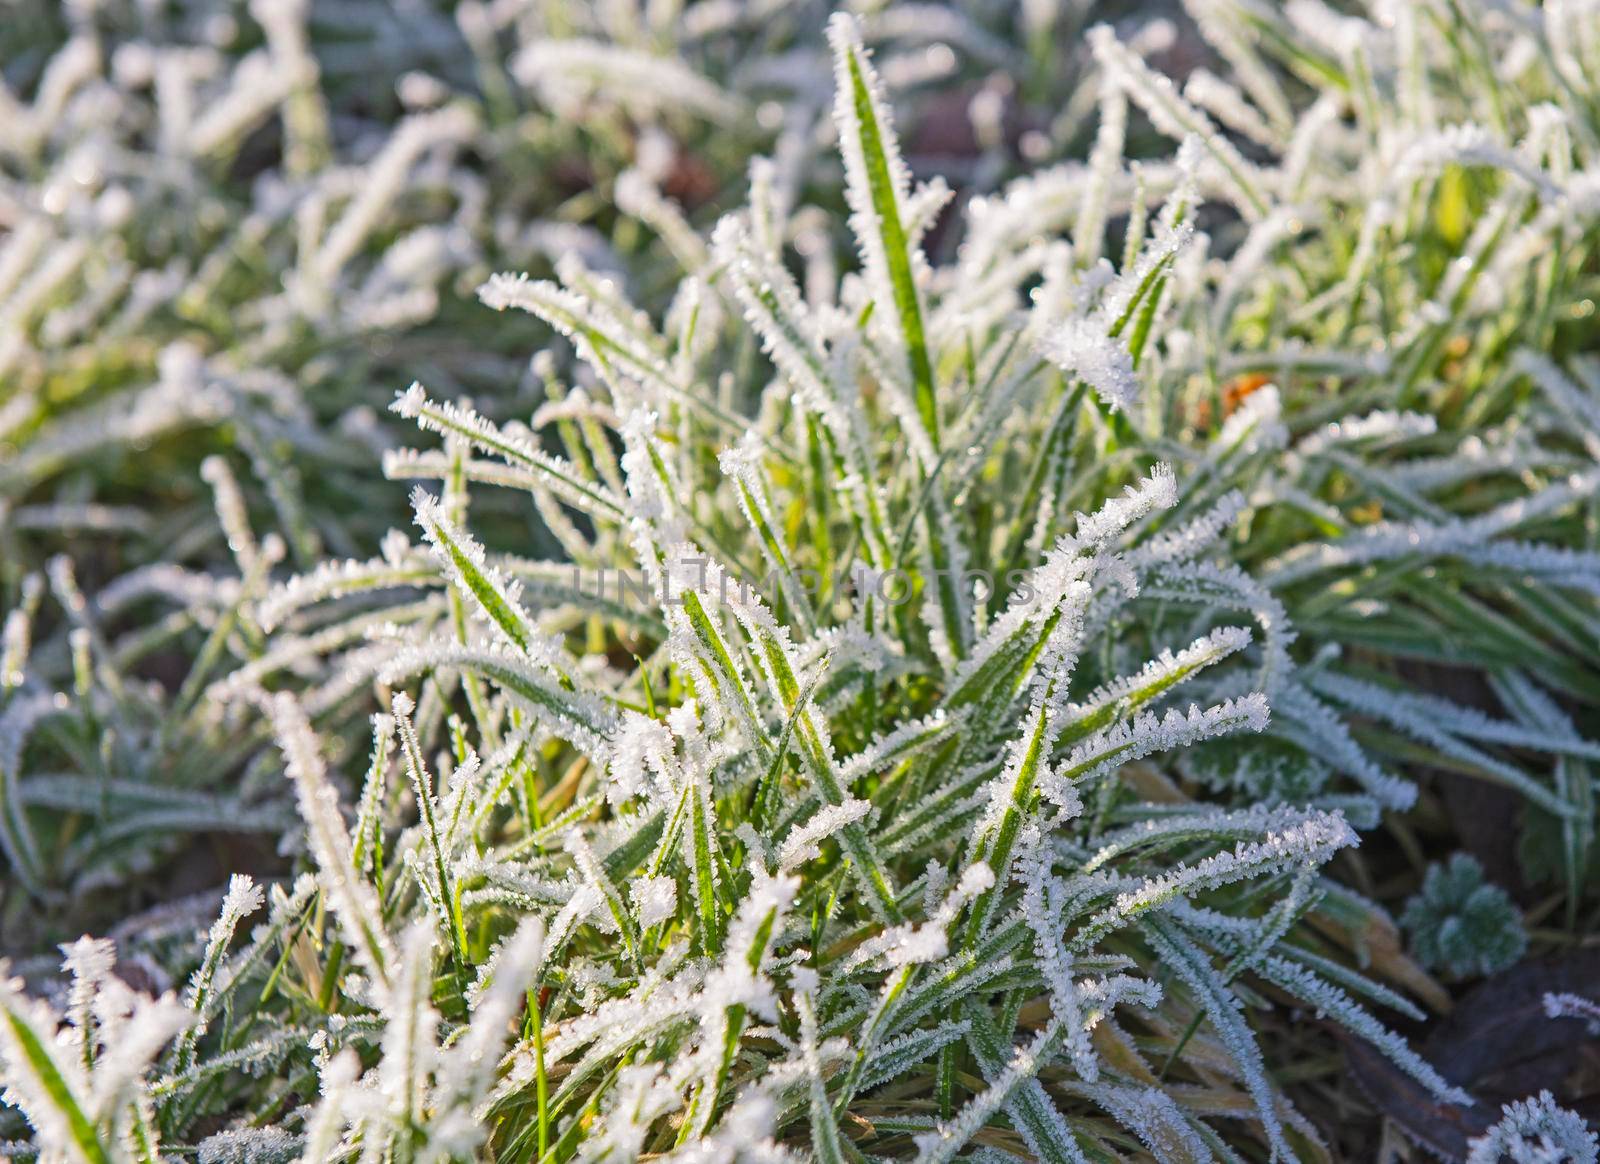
(1461, 923)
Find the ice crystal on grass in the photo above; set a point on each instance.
(1081, 347)
(250, 1146)
(1573, 1006)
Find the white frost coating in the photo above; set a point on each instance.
(803, 843)
(1374, 426)
(1164, 670)
(1060, 585)
(466, 565)
(340, 578)
(570, 71)
(1582, 408)
(1189, 539)
(1471, 145)
(555, 474)
(1533, 1131)
(1091, 345)
(1391, 539)
(948, 1139)
(655, 899)
(1081, 348)
(576, 715)
(1313, 840)
(242, 899)
(1255, 425)
(382, 184)
(848, 55)
(1222, 100)
(642, 762)
(1568, 1005)
(1108, 750)
(351, 899)
(1042, 902)
(1175, 117)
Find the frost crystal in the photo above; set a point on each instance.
(1536, 1131)
(1081, 347)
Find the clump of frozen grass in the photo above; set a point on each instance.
(819, 797)
(220, 231)
(857, 786)
(223, 228)
(152, 296)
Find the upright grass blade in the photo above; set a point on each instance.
(54, 1101)
(877, 186)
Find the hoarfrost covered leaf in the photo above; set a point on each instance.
(1533, 1131)
(1081, 347)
